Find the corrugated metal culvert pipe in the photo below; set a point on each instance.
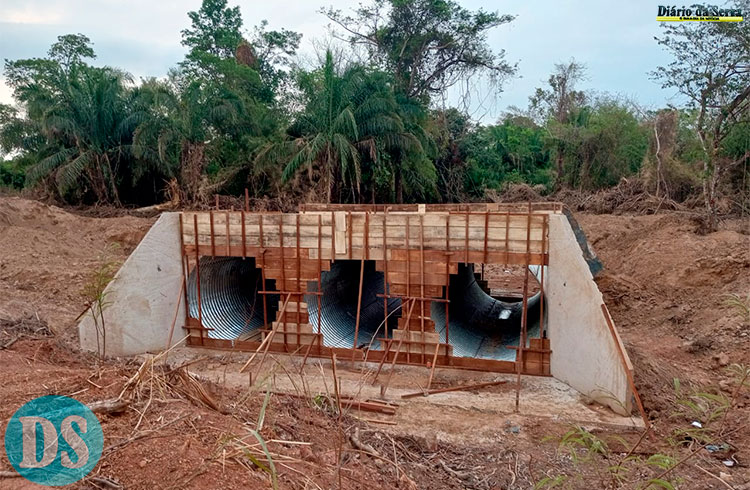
(480, 326)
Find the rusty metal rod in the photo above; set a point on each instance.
(198, 275)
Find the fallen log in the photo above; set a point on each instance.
(115, 405)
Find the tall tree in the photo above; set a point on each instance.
(272, 53)
(71, 50)
(215, 30)
(92, 130)
(429, 45)
(558, 103)
(715, 79)
(176, 128)
(349, 118)
(74, 124)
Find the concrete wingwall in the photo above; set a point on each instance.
(585, 355)
(143, 296)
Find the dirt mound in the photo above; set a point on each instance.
(48, 253)
(667, 289)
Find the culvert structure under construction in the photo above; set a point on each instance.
(383, 283)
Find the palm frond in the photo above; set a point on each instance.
(68, 175)
(49, 164)
(295, 163)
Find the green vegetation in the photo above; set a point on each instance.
(704, 414)
(239, 112)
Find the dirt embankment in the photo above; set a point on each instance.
(47, 255)
(667, 289)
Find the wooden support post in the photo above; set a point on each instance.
(307, 353)
(361, 279)
(185, 267)
(349, 229)
(213, 241)
(320, 269)
(507, 233)
(486, 236)
(227, 237)
(466, 242)
(408, 258)
(398, 349)
(333, 236)
(524, 311)
(299, 273)
(244, 236)
(366, 240)
(216, 197)
(247, 201)
(434, 363)
(198, 276)
(335, 382)
(448, 256)
(421, 285)
(283, 274)
(541, 276)
(183, 287)
(385, 273)
(263, 269)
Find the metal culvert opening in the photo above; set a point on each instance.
(338, 316)
(480, 325)
(230, 303)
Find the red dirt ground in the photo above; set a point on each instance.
(666, 287)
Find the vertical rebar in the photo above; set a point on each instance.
(198, 276)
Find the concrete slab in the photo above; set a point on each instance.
(477, 415)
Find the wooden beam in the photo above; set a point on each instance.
(454, 388)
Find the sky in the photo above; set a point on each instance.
(143, 37)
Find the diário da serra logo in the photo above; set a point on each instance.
(54, 440)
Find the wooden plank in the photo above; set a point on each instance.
(417, 278)
(395, 220)
(454, 388)
(340, 236)
(413, 208)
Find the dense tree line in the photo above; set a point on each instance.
(363, 126)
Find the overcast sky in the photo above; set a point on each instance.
(143, 37)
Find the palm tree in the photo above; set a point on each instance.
(89, 127)
(175, 129)
(349, 119)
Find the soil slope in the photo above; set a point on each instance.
(667, 289)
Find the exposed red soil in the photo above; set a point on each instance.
(665, 286)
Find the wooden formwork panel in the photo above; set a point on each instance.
(549, 207)
(417, 247)
(352, 235)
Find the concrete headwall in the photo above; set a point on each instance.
(143, 296)
(584, 353)
(146, 293)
